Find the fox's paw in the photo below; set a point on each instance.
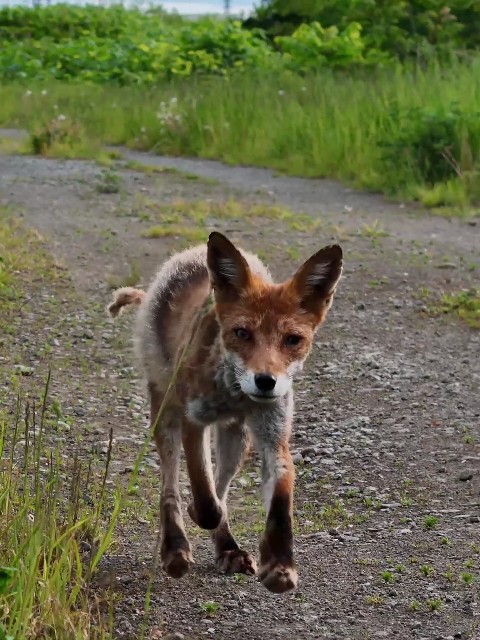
(236, 561)
(277, 577)
(177, 563)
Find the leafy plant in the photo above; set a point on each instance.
(432, 145)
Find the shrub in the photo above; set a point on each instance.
(432, 145)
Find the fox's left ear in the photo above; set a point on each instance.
(316, 280)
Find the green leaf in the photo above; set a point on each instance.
(6, 575)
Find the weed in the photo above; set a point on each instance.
(131, 279)
(210, 607)
(434, 604)
(387, 576)
(449, 575)
(467, 578)
(375, 600)
(464, 304)
(469, 563)
(415, 605)
(430, 522)
(192, 234)
(427, 570)
(61, 136)
(37, 523)
(445, 541)
(374, 230)
(240, 578)
(110, 182)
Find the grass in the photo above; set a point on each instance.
(306, 126)
(463, 304)
(51, 540)
(59, 510)
(190, 220)
(430, 522)
(45, 530)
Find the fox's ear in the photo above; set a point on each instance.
(316, 280)
(229, 271)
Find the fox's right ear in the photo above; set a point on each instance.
(229, 271)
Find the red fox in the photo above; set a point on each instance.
(220, 343)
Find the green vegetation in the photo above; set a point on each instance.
(77, 78)
(430, 522)
(51, 540)
(418, 28)
(464, 304)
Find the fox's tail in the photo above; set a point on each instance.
(123, 297)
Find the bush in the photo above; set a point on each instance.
(415, 28)
(312, 46)
(432, 145)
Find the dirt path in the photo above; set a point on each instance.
(387, 428)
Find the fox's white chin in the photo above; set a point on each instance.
(263, 399)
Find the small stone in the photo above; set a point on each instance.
(465, 475)
(447, 265)
(309, 452)
(175, 636)
(474, 519)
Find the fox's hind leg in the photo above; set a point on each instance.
(175, 550)
(231, 445)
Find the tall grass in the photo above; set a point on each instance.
(323, 125)
(50, 538)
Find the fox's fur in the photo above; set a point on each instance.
(219, 343)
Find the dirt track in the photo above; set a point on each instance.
(388, 411)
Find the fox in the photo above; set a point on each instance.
(220, 344)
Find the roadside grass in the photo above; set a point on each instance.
(308, 126)
(46, 524)
(59, 509)
(191, 219)
(464, 304)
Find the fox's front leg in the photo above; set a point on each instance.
(277, 570)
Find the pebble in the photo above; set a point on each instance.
(465, 475)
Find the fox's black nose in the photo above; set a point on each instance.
(265, 382)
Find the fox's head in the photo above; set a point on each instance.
(267, 329)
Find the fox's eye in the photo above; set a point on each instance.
(243, 334)
(293, 340)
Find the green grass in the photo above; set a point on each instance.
(306, 126)
(58, 512)
(464, 304)
(46, 524)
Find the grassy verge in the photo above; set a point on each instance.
(324, 125)
(51, 539)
